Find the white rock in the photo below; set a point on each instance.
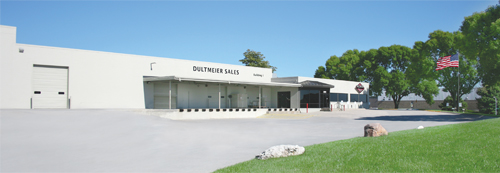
(281, 151)
(420, 127)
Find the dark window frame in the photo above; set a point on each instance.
(319, 94)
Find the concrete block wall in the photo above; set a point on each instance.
(471, 104)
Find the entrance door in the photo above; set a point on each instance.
(325, 99)
(50, 87)
(284, 99)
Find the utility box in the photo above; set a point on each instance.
(239, 100)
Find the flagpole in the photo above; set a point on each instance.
(458, 76)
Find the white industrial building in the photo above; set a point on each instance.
(41, 77)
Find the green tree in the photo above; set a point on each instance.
(330, 70)
(486, 104)
(367, 64)
(399, 71)
(480, 40)
(375, 69)
(321, 73)
(256, 59)
(387, 69)
(442, 44)
(396, 60)
(421, 74)
(345, 67)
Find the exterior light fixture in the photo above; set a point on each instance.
(21, 50)
(151, 65)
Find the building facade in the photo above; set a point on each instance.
(34, 77)
(417, 102)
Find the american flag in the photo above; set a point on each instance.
(447, 61)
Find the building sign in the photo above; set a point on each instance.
(259, 75)
(216, 70)
(359, 88)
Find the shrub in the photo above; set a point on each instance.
(451, 104)
(486, 104)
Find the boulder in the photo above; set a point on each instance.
(281, 151)
(420, 127)
(374, 130)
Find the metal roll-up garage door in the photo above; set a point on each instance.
(50, 87)
(161, 96)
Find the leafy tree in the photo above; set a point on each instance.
(330, 70)
(398, 83)
(486, 104)
(427, 89)
(386, 69)
(400, 70)
(346, 67)
(380, 79)
(481, 40)
(368, 63)
(442, 44)
(256, 59)
(421, 74)
(321, 73)
(375, 70)
(398, 87)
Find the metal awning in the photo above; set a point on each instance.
(180, 79)
(315, 84)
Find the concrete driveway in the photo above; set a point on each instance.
(124, 141)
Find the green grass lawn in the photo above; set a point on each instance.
(465, 147)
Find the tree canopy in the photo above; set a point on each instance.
(256, 59)
(399, 70)
(342, 68)
(457, 81)
(387, 69)
(480, 40)
(399, 73)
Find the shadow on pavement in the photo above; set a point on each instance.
(442, 118)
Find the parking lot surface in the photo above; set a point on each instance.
(124, 141)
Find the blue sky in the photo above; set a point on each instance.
(295, 36)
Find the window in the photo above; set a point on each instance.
(314, 98)
(362, 98)
(304, 96)
(337, 97)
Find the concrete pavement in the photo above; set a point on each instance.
(124, 141)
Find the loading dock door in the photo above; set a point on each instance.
(50, 87)
(161, 96)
